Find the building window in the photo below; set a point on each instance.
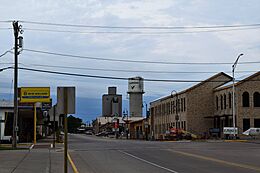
(256, 99)
(169, 108)
(181, 104)
(245, 97)
(257, 122)
(173, 107)
(184, 103)
(246, 124)
(217, 102)
(221, 102)
(230, 100)
(225, 101)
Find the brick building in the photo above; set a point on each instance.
(195, 109)
(247, 93)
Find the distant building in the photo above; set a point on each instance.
(6, 119)
(135, 91)
(112, 103)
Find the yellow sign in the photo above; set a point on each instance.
(35, 94)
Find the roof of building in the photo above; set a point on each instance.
(6, 104)
(194, 86)
(241, 79)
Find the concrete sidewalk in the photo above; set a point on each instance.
(40, 159)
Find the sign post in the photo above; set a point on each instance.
(34, 123)
(66, 105)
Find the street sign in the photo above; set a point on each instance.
(35, 94)
(69, 93)
(230, 130)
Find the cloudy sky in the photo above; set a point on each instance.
(147, 42)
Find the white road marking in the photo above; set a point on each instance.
(151, 163)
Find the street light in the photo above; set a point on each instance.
(233, 92)
(177, 105)
(125, 113)
(146, 111)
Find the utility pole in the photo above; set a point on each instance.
(15, 128)
(18, 43)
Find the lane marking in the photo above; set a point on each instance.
(217, 160)
(146, 161)
(75, 170)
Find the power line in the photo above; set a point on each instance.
(134, 61)
(5, 21)
(6, 68)
(123, 70)
(8, 51)
(137, 32)
(140, 27)
(5, 28)
(114, 78)
(118, 78)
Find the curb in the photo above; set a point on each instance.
(235, 140)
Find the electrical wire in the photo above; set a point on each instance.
(119, 78)
(139, 27)
(5, 28)
(5, 68)
(137, 32)
(5, 21)
(133, 71)
(134, 61)
(116, 78)
(8, 51)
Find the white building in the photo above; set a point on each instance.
(6, 116)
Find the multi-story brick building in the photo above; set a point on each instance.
(195, 109)
(247, 108)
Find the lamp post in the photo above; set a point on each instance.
(145, 108)
(125, 113)
(233, 92)
(177, 105)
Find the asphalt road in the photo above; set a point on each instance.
(103, 155)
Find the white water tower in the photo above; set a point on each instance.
(135, 91)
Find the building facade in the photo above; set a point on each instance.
(247, 108)
(187, 109)
(112, 103)
(135, 91)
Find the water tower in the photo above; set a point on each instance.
(135, 91)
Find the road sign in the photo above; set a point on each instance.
(69, 93)
(35, 94)
(230, 130)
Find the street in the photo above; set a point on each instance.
(104, 155)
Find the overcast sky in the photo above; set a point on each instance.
(150, 45)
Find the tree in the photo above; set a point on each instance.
(73, 124)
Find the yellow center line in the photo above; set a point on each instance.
(216, 160)
(75, 170)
